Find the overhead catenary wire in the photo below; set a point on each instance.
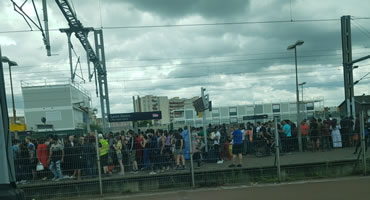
(202, 24)
(149, 69)
(288, 56)
(251, 76)
(362, 29)
(52, 74)
(170, 66)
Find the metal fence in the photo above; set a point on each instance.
(123, 163)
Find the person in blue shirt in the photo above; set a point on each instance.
(237, 137)
(287, 130)
(185, 136)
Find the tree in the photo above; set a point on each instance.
(94, 127)
(144, 123)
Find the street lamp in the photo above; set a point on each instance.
(302, 84)
(11, 64)
(290, 47)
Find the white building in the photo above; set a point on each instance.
(151, 103)
(235, 114)
(59, 104)
(178, 105)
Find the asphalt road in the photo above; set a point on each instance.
(357, 188)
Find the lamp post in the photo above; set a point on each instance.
(302, 84)
(290, 47)
(7, 170)
(11, 64)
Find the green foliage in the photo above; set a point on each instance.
(144, 123)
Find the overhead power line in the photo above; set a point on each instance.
(191, 65)
(221, 23)
(203, 24)
(206, 64)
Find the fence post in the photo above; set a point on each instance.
(191, 159)
(363, 145)
(277, 150)
(98, 160)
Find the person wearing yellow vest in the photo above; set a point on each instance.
(103, 152)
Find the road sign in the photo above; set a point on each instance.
(199, 105)
(254, 117)
(136, 116)
(17, 127)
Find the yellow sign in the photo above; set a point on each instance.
(17, 127)
(200, 114)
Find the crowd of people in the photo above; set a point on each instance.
(157, 151)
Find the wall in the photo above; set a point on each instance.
(64, 122)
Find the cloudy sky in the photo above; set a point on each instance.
(238, 63)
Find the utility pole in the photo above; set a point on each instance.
(11, 89)
(347, 66)
(290, 47)
(298, 104)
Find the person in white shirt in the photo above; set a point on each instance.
(216, 145)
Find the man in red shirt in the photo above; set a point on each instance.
(304, 130)
(139, 149)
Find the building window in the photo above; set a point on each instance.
(275, 108)
(233, 111)
(310, 106)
